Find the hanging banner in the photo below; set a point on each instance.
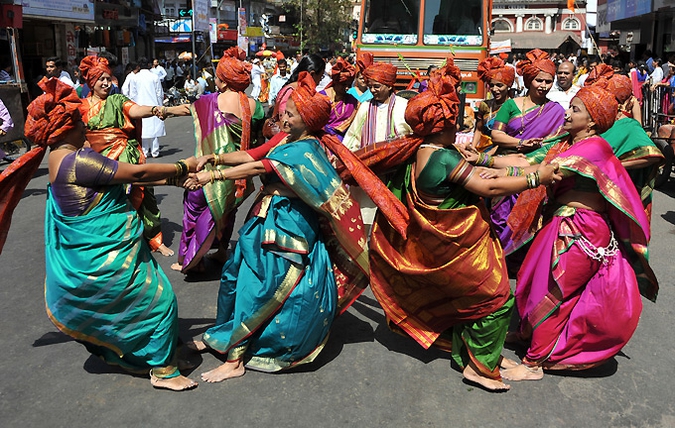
(242, 21)
(72, 10)
(200, 14)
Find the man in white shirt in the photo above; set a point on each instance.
(657, 74)
(54, 68)
(327, 75)
(158, 70)
(256, 78)
(278, 81)
(563, 89)
(146, 89)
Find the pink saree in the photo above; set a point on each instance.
(578, 311)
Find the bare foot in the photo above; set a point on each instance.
(523, 372)
(196, 345)
(225, 371)
(178, 383)
(472, 375)
(505, 363)
(164, 250)
(177, 266)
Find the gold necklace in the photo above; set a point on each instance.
(522, 116)
(67, 146)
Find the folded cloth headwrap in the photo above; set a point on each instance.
(313, 107)
(493, 68)
(436, 109)
(92, 68)
(363, 61)
(342, 71)
(381, 72)
(536, 61)
(601, 105)
(49, 116)
(618, 84)
(233, 71)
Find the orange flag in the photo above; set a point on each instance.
(570, 5)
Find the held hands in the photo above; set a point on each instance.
(197, 180)
(192, 163)
(531, 143)
(203, 160)
(488, 173)
(549, 173)
(468, 152)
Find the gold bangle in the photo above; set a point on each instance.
(220, 173)
(153, 110)
(213, 176)
(215, 159)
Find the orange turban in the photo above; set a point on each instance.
(601, 105)
(493, 68)
(343, 71)
(436, 109)
(92, 68)
(314, 108)
(363, 61)
(536, 61)
(53, 113)
(233, 71)
(381, 72)
(617, 84)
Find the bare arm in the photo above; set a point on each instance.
(503, 186)
(245, 170)
(233, 158)
(141, 112)
(640, 163)
(150, 173)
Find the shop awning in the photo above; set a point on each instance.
(530, 40)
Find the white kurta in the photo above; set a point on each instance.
(146, 89)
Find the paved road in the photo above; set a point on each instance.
(366, 376)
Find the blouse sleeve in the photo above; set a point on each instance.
(92, 169)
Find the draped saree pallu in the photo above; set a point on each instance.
(208, 213)
(280, 290)
(579, 310)
(451, 278)
(104, 288)
(114, 134)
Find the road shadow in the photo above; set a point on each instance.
(169, 231)
(33, 192)
(52, 338)
(669, 217)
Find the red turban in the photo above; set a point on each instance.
(49, 116)
(617, 84)
(363, 61)
(53, 113)
(233, 71)
(343, 71)
(436, 109)
(92, 68)
(493, 68)
(601, 105)
(382, 72)
(314, 108)
(536, 61)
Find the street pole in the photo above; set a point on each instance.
(194, 44)
(302, 27)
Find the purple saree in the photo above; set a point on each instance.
(341, 114)
(543, 121)
(579, 310)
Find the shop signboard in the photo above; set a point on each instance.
(71, 10)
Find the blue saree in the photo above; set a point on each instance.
(104, 288)
(278, 293)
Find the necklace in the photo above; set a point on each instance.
(522, 116)
(67, 146)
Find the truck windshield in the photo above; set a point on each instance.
(456, 22)
(390, 21)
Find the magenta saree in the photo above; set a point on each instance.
(579, 311)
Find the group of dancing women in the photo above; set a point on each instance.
(560, 199)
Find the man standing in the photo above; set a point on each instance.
(158, 70)
(256, 78)
(278, 81)
(54, 68)
(564, 90)
(146, 89)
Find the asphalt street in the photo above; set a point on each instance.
(367, 376)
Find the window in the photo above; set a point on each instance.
(457, 22)
(534, 24)
(571, 24)
(387, 21)
(502, 26)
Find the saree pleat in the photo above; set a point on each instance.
(452, 275)
(104, 287)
